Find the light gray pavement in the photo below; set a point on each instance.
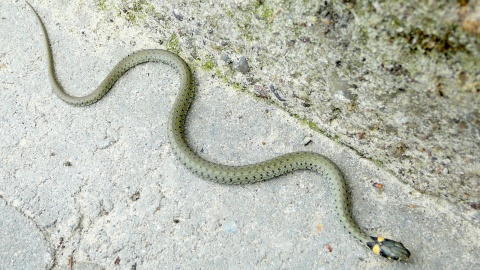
(101, 185)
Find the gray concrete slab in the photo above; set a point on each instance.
(99, 187)
(23, 246)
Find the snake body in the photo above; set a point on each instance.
(220, 173)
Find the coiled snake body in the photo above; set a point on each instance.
(222, 173)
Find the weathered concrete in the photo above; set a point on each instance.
(22, 244)
(100, 184)
(398, 83)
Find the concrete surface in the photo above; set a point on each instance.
(99, 188)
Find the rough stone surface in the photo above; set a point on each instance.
(397, 82)
(22, 245)
(396, 87)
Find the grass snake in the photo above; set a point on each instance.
(220, 173)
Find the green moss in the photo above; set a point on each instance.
(157, 16)
(313, 126)
(264, 12)
(227, 80)
(308, 123)
(237, 86)
(136, 10)
(229, 14)
(172, 44)
(396, 22)
(363, 35)
(209, 64)
(101, 4)
(378, 162)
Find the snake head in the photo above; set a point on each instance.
(389, 249)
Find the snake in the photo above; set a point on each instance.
(220, 173)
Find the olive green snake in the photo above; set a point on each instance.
(219, 173)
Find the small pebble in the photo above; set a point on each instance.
(345, 95)
(177, 15)
(225, 58)
(242, 65)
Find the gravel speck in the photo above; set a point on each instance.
(242, 65)
(177, 15)
(225, 58)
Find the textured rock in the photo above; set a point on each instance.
(99, 188)
(404, 76)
